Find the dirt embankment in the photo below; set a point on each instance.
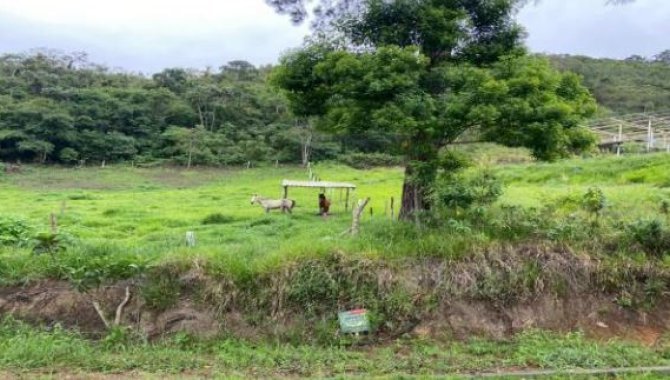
(493, 294)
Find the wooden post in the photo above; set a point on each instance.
(190, 239)
(650, 136)
(392, 208)
(356, 222)
(285, 192)
(346, 201)
(620, 141)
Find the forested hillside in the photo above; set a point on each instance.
(61, 108)
(633, 85)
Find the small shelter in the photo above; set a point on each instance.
(323, 185)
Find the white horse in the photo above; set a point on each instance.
(273, 204)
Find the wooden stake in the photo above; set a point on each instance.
(356, 222)
(392, 208)
(346, 201)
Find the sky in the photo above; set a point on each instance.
(149, 35)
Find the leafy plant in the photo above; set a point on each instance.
(14, 232)
(464, 192)
(594, 202)
(651, 236)
(51, 243)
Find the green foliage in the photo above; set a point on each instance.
(52, 111)
(465, 191)
(68, 155)
(594, 201)
(14, 232)
(430, 72)
(161, 288)
(50, 243)
(369, 160)
(622, 86)
(651, 236)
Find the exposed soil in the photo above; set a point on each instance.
(52, 302)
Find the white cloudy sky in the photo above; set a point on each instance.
(148, 35)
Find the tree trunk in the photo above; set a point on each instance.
(306, 149)
(414, 197)
(190, 150)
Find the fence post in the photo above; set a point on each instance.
(356, 222)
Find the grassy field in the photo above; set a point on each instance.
(144, 214)
(147, 212)
(140, 216)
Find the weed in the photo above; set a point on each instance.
(14, 232)
(651, 236)
(161, 288)
(217, 218)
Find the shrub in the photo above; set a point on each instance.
(369, 160)
(162, 288)
(651, 236)
(594, 201)
(68, 155)
(464, 192)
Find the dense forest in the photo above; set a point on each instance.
(61, 108)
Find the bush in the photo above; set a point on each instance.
(466, 191)
(651, 236)
(594, 201)
(369, 160)
(68, 155)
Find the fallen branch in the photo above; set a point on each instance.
(119, 309)
(101, 314)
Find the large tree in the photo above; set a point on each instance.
(428, 71)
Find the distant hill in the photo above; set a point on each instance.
(622, 86)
